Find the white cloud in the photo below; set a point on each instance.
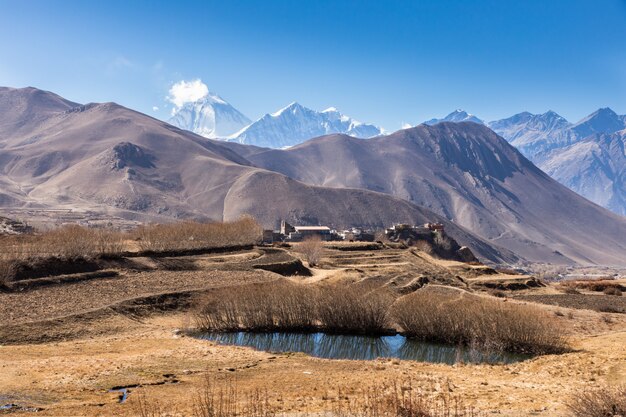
(155, 108)
(187, 92)
(406, 126)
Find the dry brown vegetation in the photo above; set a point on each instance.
(70, 241)
(285, 306)
(312, 249)
(395, 399)
(469, 320)
(193, 235)
(598, 285)
(599, 402)
(478, 321)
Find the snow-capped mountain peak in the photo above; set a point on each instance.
(211, 116)
(295, 124)
(457, 116)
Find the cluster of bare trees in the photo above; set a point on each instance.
(193, 235)
(478, 321)
(287, 306)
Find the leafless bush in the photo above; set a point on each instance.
(69, 241)
(343, 309)
(569, 290)
(599, 402)
(193, 235)
(286, 306)
(478, 321)
(227, 401)
(7, 271)
(423, 246)
(280, 305)
(612, 291)
(145, 407)
(312, 249)
(401, 399)
(598, 285)
(548, 272)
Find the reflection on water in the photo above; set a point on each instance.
(332, 346)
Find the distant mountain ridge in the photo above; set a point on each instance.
(295, 124)
(585, 156)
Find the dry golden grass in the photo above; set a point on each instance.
(599, 402)
(395, 399)
(478, 321)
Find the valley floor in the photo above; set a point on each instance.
(63, 347)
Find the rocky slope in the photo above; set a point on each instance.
(468, 174)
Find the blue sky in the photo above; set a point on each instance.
(387, 62)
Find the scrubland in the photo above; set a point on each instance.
(66, 341)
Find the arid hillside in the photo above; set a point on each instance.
(110, 159)
(467, 174)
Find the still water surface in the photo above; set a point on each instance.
(332, 346)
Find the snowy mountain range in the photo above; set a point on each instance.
(214, 118)
(586, 156)
(295, 124)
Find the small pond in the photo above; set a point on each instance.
(333, 346)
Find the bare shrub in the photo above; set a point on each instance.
(144, 407)
(478, 321)
(312, 249)
(569, 290)
(598, 285)
(280, 305)
(497, 293)
(71, 241)
(342, 309)
(227, 401)
(599, 402)
(442, 242)
(287, 306)
(612, 291)
(401, 399)
(194, 235)
(7, 272)
(423, 246)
